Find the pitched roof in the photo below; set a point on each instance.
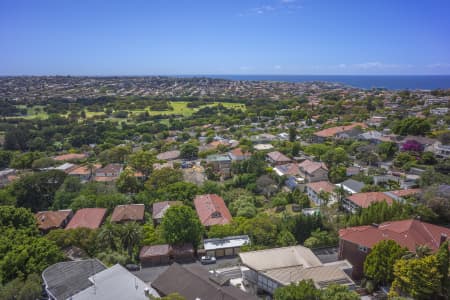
(115, 283)
(129, 212)
(406, 192)
(65, 279)
(309, 166)
(330, 132)
(276, 258)
(154, 250)
(407, 233)
(319, 186)
(211, 210)
(287, 169)
(353, 185)
(83, 170)
(88, 218)
(110, 168)
(363, 200)
(51, 219)
(193, 282)
(169, 155)
(278, 156)
(160, 208)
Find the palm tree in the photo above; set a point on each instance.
(108, 235)
(131, 235)
(420, 252)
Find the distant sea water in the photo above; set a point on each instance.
(391, 82)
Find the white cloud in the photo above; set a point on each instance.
(438, 65)
(277, 67)
(288, 6)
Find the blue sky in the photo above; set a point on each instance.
(148, 37)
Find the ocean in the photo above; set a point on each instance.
(391, 82)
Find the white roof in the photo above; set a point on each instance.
(227, 242)
(263, 146)
(280, 258)
(115, 283)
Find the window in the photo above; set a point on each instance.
(362, 248)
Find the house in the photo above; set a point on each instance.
(91, 280)
(48, 220)
(169, 155)
(276, 158)
(183, 253)
(355, 243)
(227, 246)
(84, 173)
(5, 176)
(439, 111)
(376, 121)
(155, 255)
(440, 150)
(262, 138)
(238, 155)
(277, 267)
(290, 169)
(220, 163)
(195, 282)
(322, 135)
(71, 157)
(65, 167)
(263, 147)
(65, 279)
(108, 173)
(352, 171)
(88, 218)
(211, 210)
(314, 191)
(351, 186)
(129, 212)
(357, 201)
(313, 171)
(160, 208)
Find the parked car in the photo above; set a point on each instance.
(132, 267)
(206, 260)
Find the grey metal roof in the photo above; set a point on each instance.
(65, 279)
(353, 185)
(115, 283)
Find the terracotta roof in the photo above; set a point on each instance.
(160, 208)
(321, 186)
(110, 168)
(70, 156)
(237, 152)
(52, 219)
(330, 132)
(169, 155)
(211, 210)
(310, 167)
(83, 170)
(288, 169)
(88, 218)
(130, 212)
(155, 250)
(407, 233)
(278, 156)
(363, 200)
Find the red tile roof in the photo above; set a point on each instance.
(363, 200)
(407, 233)
(330, 132)
(130, 212)
(155, 250)
(321, 186)
(310, 167)
(47, 220)
(278, 156)
(88, 218)
(211, 210)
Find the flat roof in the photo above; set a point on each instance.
(227, 242)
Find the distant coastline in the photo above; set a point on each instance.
(391, 82)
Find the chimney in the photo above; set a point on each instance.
(443, 239)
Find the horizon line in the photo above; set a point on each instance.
(206, 75)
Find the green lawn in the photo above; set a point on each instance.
(179, 108)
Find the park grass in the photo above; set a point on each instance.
(179, 108)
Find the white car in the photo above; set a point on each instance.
(206, 260)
